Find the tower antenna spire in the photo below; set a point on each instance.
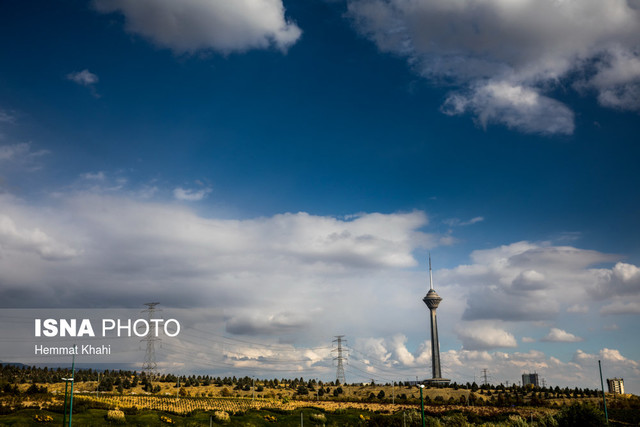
(430, 274)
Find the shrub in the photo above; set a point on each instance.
(167, 420)
(221, 416)
(320, 418)
(116, 416)
(455, 420)
(516, 421)
(42, 418)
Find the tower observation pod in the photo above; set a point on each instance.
(432, 300)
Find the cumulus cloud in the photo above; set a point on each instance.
(136, 248)
(195, 25)
(513, 105)
(578, 308)
(484, 337)
(509, 282)
(609, 355)
(83, 78)
(189, 195)
(621, 307)
(503, 367)
(507, 58)
(14, 238)
(558, 335)
(616, 79)
(622, 279)
(277, 324)
(379, 355)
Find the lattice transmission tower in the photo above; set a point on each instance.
(150, 366)
(341, 356)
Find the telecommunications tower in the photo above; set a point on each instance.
(340, 356)
(432, 300)
(150, 366)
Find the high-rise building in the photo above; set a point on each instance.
(616, 385)
(432, 300)
(530, 379)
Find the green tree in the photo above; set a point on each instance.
(581, 415)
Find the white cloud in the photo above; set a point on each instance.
(621, 307)
(478, 336)
(612, 356)
(94, 176)
(6, 116)
(513, 105)
(578, 308)
(454, 222)
(22, 155)
(508, 282)
(622, 279)
(528, 339)
(87, 79)
(14, 238)
(189, 195)
(508, 57)
(219, 25)
(83, 78)
(558, 335)
(274, 324)
(295, 261)
(617, 79)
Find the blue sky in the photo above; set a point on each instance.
(291, 165)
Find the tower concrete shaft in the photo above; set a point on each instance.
(432, 300)
(435, 346)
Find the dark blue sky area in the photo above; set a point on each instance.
(333, 126)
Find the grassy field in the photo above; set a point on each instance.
(350, 392)
(356, 405)
(307, 416)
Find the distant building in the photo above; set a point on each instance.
(616, 385)
(530, 379)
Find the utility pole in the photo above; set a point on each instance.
(422, 405)
(604, 399)
(73, 375)
(340, 357)
(484, 375)
(393, 392)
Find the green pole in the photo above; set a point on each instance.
(422, 405)
(64, 418)
(604, 399)
(73, 372)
